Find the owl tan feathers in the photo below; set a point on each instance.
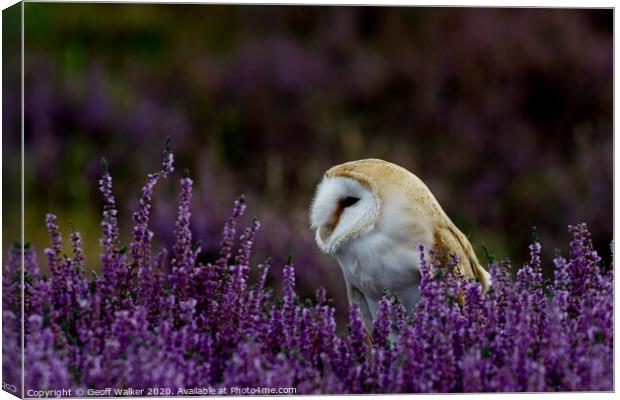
(370, 215)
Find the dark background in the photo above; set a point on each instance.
(506, 114)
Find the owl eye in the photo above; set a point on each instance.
(349, 201)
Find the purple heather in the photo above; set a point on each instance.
(169, 321)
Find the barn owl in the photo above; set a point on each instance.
(370, 215)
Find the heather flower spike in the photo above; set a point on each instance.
(104, 165)
(230, 230)
(140, 247)
(488, 255)
(164, 323)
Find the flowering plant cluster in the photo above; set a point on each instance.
(167, 320)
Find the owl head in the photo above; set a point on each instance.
(349, 201)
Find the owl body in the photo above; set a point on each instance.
(371, 215)
(369, 269)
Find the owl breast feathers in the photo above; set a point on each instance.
(371, 215)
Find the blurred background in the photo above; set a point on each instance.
(506, 114)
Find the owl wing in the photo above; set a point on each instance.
(449, 240)
(355, 295)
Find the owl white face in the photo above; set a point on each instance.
(342, 209)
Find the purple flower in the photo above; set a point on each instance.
(173, 323)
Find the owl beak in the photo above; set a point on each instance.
(322, 238)
(324, 232)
